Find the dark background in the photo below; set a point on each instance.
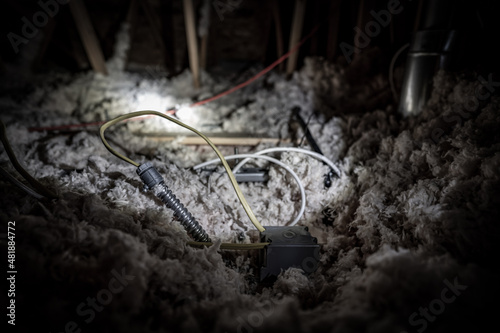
(245, 35)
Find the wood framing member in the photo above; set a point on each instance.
(298, 22)
(88, 36)
(194, 62)
(229, 139)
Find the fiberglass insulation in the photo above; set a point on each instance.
(408, 231)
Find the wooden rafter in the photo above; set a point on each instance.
(88, 36)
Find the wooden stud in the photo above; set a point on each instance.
(88, 36)
(194, 63)
(298, 21)
(228, 140)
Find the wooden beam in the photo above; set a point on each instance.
(194, 62)
(234, 139)
(88, 36)
(298, 22)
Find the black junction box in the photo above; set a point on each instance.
(290, 247)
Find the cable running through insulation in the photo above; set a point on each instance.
(281, 164)
(279, 149)
(41, 189)
(237, 189)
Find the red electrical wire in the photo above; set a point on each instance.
(264, 71)
(210, 99)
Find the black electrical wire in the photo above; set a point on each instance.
(307, 133)
(41, 189)
(16, 182)
(312, 142)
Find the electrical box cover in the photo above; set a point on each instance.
(290, 246)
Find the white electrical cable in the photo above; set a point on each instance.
(292, 149)
(272, 160)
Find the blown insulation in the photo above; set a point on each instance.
(409, 232)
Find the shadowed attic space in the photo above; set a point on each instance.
(406, 215)
(407, 233)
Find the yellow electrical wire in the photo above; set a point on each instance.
(232, 246)
(237, 189)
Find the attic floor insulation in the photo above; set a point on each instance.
(409, 232)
